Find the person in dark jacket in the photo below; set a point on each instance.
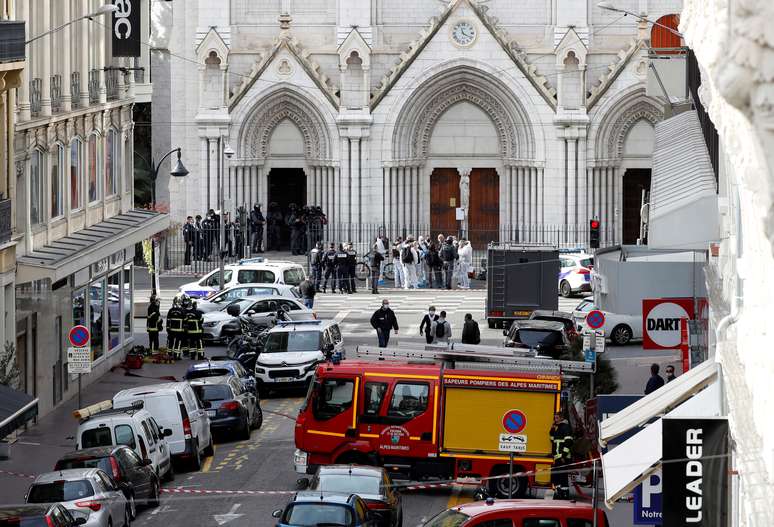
(257, 222)
(448, 255)
(670, 373)
(154, 323)
(308, 290)
(426, 326)
(470, 332)
(316, 257)
(329, 262)
(561, 448)
(383, 320)
(655, 382)
(376, 264)
(189, 237)
(342, 270)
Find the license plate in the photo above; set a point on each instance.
(211, 413)
(284, 379)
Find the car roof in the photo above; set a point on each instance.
(152, 389)
(24, 511)
(482, 507)
(310, 325)
(211, 364)
(549, 313)
(323, 497)
(539, 324)
(269, 297)
(69, 474)
(266, 264)
(97, 451)
(354, 470)
(221, 379)
(579, 256)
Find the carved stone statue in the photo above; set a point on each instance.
(464, 187)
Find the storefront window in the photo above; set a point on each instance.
(127, 298)
(97, 304)
(57, 181)
(114, 310)
(36, 188)
(79, 307)
(76, 168)
(95, 168)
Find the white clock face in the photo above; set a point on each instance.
(464, 33)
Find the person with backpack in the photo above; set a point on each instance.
(470, 332)
(409, 257)
(397, 266)
(441, 330)
(434, 264)
(426, 326)
(448, 257)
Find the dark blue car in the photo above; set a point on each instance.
(318, 508)
(219, 368)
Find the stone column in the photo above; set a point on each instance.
(101, 60)
(45, 54)
(23, 91)
(425, 198)
(345, 194)
(85, 29)
(204, 182)
(583, 186)
(386, 197)
(355, 205)
(506, 184)
(66, 43)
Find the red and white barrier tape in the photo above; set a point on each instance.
(234, 492)
(17, 474)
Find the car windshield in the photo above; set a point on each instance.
(86, 462)
(347, 484)
(243, 304)
(96, 437)
(450, 518)
(310, 514)
(539, 337)
(293, 276)
(60, 491)
(207, 372)
(587, 262)
(213, 392)
(292, 341)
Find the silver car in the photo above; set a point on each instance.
(88, 493)
(220, 325)
(221, 299)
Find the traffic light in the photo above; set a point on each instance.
(594, 234)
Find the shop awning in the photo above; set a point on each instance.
(16, 408)
(659, 402)
(630, 462)
(67, 255)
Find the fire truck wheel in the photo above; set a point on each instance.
(499, 487)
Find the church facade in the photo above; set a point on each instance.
(515, 118)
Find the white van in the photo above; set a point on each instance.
(134, 427)
(175, 406)
(247, 272)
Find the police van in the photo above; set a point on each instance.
(251, 271)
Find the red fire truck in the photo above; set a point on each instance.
(446, 418)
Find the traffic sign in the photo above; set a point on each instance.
(595, 319)
(78, 360)
(590, 356)
(513, 443)
(599, 342)
(647, 501)
(514, 421)
(79, 336)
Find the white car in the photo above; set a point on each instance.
(575, 273)
(254, 271)
(619, 329)
(220, 325)
(219, 300)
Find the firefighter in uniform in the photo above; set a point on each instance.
(175, 331)
(194, 320)
(342, 270)
(329, 262)
(561, 448)
(154, 324)
(351, 267)
(316, 257)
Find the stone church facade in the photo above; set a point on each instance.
(377, 110)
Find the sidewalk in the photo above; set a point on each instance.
(38, 449)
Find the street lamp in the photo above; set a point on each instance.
(229, 153)
(610, 7)
(102, 10)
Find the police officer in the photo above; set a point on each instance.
(189, 237)
(329, 262)
(351, 267)
(342, 270)
(256, 225)
(175, 331)
(316, 259)
(274, 220)
(561, 448)
(194, 321)
(154, 324)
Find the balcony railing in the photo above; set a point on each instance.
(56, 93)
(12, 39)
(36, 86)
(5, 220)
(93, 86)
(111, 83)
(75, 88)
(707, 126)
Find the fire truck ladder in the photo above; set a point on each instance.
(483, 357)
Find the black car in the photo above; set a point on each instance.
(42, 515)
(373, 484)
(221, 368)
(557, 316)
(124, 465)
(229, 404)
(545, 337)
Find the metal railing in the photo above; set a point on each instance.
(5, 220)
(708, 129)
(36, 87)
(93, 86)
(75, 88)
(12, 37)
(111, 83)
(56, 93)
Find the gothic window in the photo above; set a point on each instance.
(352, 82)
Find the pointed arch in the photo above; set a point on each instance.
(629, 108)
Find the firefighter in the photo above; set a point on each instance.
(194, 320)
(342, 270)
(175, 332)
(351, 267)
(329, 262)
(316, 257)
(561, 448)
(154, 324)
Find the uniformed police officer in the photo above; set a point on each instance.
(351, 267)
(154, 324)
(175, 330)
(329, 262)
(342, 270)
(316, 259)
(194, 320)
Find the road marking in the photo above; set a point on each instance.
(162, 509)
(208, 462)
(222, 519)
(341, 315)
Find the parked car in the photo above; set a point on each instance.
(519, 513)
(87, 493)
(219, 368)
(230, 406)
(575, 273)
(292, 351)
(124, 466)
(219, 299)
(620, 329)
(44, 515)
(132, 426)
(175, 406)
(220, 325)
(253, 271)
(373, 484)
(545, 337)
(557, 316)
(318, 508)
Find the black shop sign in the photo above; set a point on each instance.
(126, 28)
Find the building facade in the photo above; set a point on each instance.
(399, 113)
(75, 221)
